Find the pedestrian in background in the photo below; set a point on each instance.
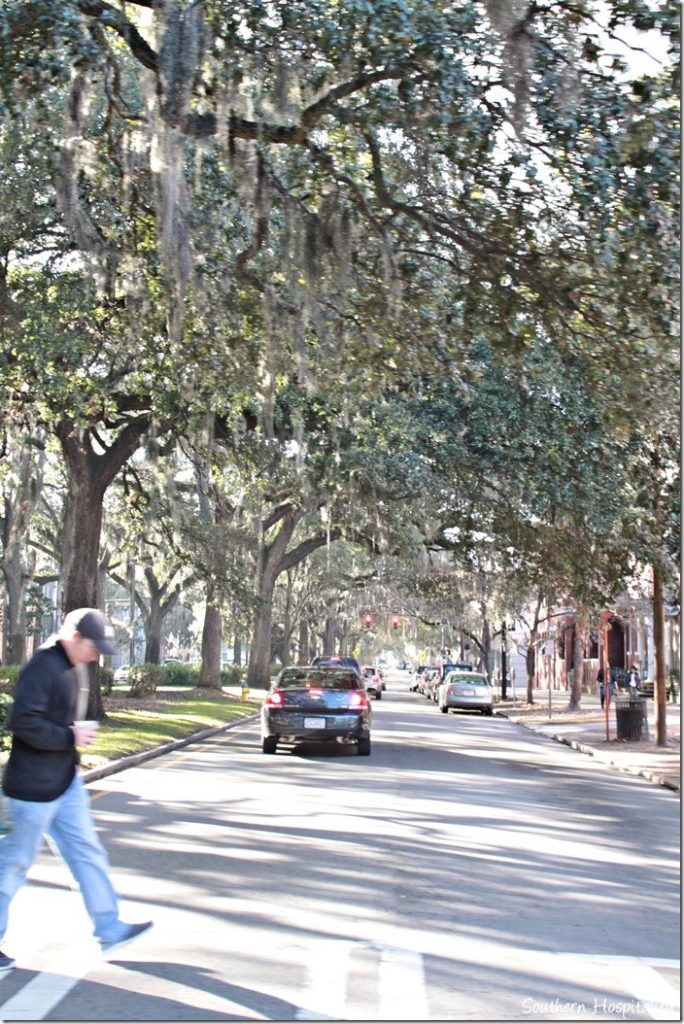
(633, 679)
(600, 679)
(45, 794)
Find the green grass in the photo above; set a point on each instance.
(130, 732)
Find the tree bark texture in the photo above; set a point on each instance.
(89, 474)
(275, 559)
(659, 645)
(578, 663)
(531, 669)
(210, 672)
(17, 568)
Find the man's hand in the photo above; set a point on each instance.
(84, 732)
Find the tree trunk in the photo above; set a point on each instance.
(153, 645)
(18, 570)
(88, 475)
(259, 675)
(531, 668)
(237, 649)
(80, 545)
(486, 647)
(15, 613)
(210, 673)
(660, 692)
(578, 663)
(329, 634)
(343, 638)
(274, 559)
(303, 652)
(154, 613)
(504, 662)
(531, 655)
(131, 612)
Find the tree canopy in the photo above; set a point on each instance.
(412, 266)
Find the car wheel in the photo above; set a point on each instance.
(488, 711)
(269, 744)
(378, 695)
(363, 747)
(444, 709)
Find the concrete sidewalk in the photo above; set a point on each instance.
(586, 731)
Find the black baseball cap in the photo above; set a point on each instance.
(93, 625)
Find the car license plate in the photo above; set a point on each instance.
(314, 723)
(466, 693)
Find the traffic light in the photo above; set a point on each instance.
(396, 622)
(368, 620)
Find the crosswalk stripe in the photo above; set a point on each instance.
(401, 982)
(403, 995)
(40, 995)
(653, 994)
(325, 988)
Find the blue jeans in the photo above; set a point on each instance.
(68, 821)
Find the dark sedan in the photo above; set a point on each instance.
(337, 661)
(316, 703)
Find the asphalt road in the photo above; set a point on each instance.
(467, 869)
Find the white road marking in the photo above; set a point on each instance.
(401, 982)
(36, 999)
(325, 989)
(653, 995)
(632, 984)
(403, 994)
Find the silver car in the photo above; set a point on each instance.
(466, 691)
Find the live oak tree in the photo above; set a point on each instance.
(386, 180)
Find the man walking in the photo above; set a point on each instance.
(45, 793)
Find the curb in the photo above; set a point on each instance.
(164, 748)
(645, 773)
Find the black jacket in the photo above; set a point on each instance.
(43, 758)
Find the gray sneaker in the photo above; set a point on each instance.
(130, 932)
(6, 963)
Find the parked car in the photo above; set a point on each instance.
(373, 681)
(435, 682)
(414, 679)
(316, 702)
(418, 683)
(466, 691)
(338, 661)
(429, 677)
(453, 666)
(122, 673)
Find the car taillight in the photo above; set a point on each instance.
(358, 700)
(274, 699)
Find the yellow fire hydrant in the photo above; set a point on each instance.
(244, 691)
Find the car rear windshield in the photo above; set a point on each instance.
(465, 677)
(323, 679)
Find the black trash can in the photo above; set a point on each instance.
(630, 715)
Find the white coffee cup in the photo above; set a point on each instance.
(84, 731)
